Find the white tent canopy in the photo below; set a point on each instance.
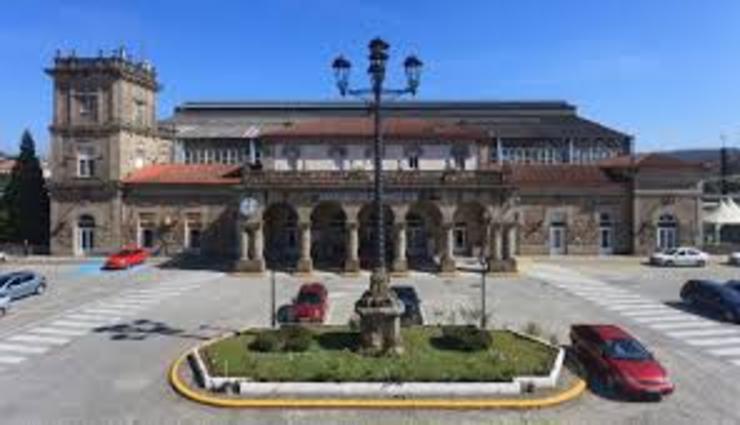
(727, 212)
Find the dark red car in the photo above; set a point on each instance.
(311, 304)
(126, 258)
(620, 360)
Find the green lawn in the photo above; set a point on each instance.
(331, 358)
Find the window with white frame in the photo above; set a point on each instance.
(85, 161)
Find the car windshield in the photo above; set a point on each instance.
(626, 349)
(126, 252)
(670, 252)
(5, 279)
(308, 298)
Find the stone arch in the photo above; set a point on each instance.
(469, 229)
(366, 218)
(280, 222)
(423, 234)
(328, 235)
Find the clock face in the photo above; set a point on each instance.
(248, 206)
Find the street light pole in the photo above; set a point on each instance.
(378, 308)
(273, 313)
(484, 316)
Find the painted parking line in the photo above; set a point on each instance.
(26, 349)
(708, 342)
(646, 305)
(723, 352)
(703, 332)
(59, 332)
(11, 359)
(39, 339)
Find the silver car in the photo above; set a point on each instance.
(20, 284)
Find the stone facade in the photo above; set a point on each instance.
(462, 179)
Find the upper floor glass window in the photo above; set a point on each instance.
(139, 112)
(87, 102)
(85, 162)
(413, 162)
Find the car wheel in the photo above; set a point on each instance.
(40, 289)
(610, 385)
(690, 300)
(3, 312)
(668, 263)
(701, 263)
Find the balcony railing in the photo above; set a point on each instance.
(364, 179)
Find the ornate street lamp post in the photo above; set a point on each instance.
(379, 310)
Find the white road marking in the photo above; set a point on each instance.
(92, 317)
(23, 348)
(11, 359)
(682, 325)
(75, 324)
(107, 311)
(646, 305)
(708, 342)
(702, 332)
(654, 312)
(726, 352)
(60, 332)
(672, 318)
(39, 339)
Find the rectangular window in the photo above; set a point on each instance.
(188, 156)
(88, 105)
(147, 232)
(85, 162)
(460, 163)
(460, 236)
(414, 162)
(139, 112)
(193, 226)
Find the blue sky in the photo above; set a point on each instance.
(664, 71)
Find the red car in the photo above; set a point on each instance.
(126, 258)
(311, 304)
(621, 361)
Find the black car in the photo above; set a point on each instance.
(412, 303)
(713, 297)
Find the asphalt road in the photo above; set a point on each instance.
(96, 347)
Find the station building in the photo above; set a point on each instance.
(463, 179)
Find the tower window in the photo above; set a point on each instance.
(85, 162)
(88, 105)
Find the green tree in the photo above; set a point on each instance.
(26, 199)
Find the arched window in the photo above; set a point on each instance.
(85, 234)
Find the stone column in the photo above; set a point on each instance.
(305, 263)
(447, 261)
(244, 251)
(511, 238)
(497, 249)
(352, 262)
(400, 264)
(257, 243)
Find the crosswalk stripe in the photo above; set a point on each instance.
(76, 324)
(92, 317)
(22, 348)
(653, 312)
(673, 318)
(647, 305)
(39, 339)
(106, 311)
(60, 332)
(682, 325)
(708, 342)
(11, 359)
(702, 332)
(726, 352)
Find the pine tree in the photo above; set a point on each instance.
(26, 199)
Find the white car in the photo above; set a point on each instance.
(734, 258)
(4, 305)
(682, 256)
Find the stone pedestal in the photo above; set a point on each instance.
(380, 317)
(503, 265)
(250, 266)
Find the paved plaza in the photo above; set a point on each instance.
(95, 348)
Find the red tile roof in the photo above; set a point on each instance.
(563, 175)
(649, 160)
(415, 128)
(186, 174)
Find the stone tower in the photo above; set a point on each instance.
(104, 126)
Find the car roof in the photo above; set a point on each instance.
(314, 286)
(606, 331)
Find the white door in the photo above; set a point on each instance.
(557, 240)
(606, 240)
